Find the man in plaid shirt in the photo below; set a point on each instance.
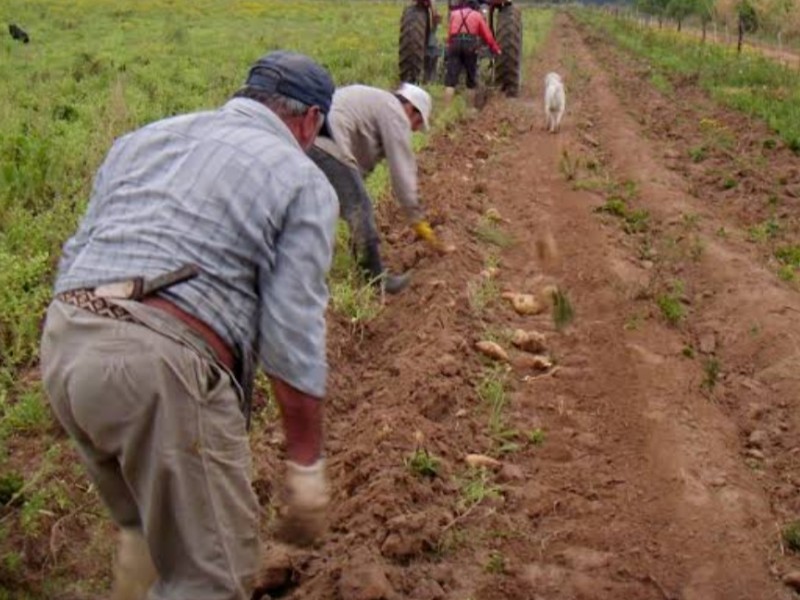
(149, 383)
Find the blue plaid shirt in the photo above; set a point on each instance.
(231, 191)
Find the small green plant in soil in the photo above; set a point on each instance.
(711, 370)
(423, 464)
(670, 303)
(537, 436)
(496, 563)
(490, 232)
(791, 536)
(477, 486)
(491, 389)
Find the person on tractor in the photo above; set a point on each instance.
(466, 31)
(368, 125)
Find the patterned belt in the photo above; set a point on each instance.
(86, 299)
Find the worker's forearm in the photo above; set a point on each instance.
(302, 422)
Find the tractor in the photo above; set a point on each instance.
(419, 47)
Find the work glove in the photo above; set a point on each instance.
(424, 231)
(306, 499)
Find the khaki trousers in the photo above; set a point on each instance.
(158, 426)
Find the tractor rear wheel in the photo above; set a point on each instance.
(414, 26)
(508, 66)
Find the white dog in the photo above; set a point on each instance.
(555, 101)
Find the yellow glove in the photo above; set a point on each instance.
(423, 230)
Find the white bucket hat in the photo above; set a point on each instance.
(419, 99)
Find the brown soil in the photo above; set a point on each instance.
(660, 475)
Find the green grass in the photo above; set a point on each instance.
(765, 231)
(481, 294)
(492, 233)
(669, 302)
(791, 536)
(711, 373)
(633, 220)
(750, 83)
(423, 464)
(492, 391)
(496, 563)
(477, 486)
(537, 436)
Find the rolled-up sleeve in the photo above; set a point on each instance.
(295, 293)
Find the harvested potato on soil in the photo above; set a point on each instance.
(537, 362)
(524, 304)
(529, 341)
(492, 350)
(481, 460)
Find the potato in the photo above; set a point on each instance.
(481, 460)
(492, 350)
(537, 362)
(529, 341)
(524, 304)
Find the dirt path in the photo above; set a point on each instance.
(654, 462)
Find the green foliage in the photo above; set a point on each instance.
(491, 390)
(355, 299)
(789, 255)
(791, 536)
(633, 221)
(563, 313)
(670, 303)
(481, 294)
(711, 369)
(496, 563)
(423, 464)
(28, 415)
(490, 232)
(614, 206)
(751, 83)
(476, 486)
(698, 153)
(762, 232)
(748, 18)
(537, 436)
(10, 484)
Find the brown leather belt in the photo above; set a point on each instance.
(100, 306)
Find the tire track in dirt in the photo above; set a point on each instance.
(639, 490)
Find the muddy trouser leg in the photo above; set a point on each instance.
(157, 424)
(470, 60)
(355, 207)
(454, 66)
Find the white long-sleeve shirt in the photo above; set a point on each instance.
(369, 124)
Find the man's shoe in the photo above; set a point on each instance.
(394, 284)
